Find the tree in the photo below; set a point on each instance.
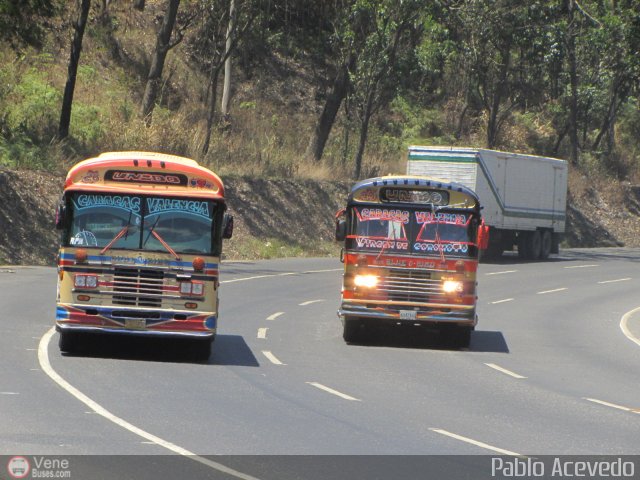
(226, 92)
(72, 69)
(215, 42)
(387, 26)
(163, 45)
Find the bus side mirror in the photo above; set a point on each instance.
(341, 230)
(483, 236)
(341, 225)
(227, 226)
(61, 216)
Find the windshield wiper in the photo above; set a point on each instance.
(122, 232)
(153, 232)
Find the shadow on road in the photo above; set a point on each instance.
(229, 350)
(429, 339)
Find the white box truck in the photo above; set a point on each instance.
(524, 196)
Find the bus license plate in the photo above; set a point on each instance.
(408, 315)
(135, 323)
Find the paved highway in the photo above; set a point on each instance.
(552, 370)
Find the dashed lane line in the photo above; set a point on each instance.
(612, 405)
(505, 300)
(309, 302)
(333, 392)
(272, 358)
(471, 441)
(615, 281)
(244, 279)
(275, 315)
(581, 266)
(504, 370)
(262, 333)
(500, 273)
(544, 292)
(43, 358)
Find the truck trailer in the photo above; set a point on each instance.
(523, 196)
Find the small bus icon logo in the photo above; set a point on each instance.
(18, 467)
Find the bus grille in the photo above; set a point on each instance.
(137, 287)
(410, 286)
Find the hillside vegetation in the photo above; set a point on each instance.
(326, 92)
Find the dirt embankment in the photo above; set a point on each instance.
(297, 213)
(294, 212)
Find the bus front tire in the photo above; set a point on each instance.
(68, 342)
(201, 349)
(456, 336)
(352, 329)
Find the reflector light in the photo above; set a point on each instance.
(81, 255)
(191, 305)
(198, 264)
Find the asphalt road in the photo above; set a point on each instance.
(552, 369)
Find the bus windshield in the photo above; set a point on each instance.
(137, 222)
(412, 230)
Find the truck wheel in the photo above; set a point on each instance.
(546, 245)
(352, 329)
(530, 245)
(68, 342)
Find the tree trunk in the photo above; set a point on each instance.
(157, 64)
(226, 92)
(213, 87)
(72, 70)
(139, 4)
(328, 115)
(364, 133)
(573, 79)
(498, 95)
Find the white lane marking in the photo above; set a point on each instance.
(625, 328)
(615, 281)
(260, 276)
(262, 332)
(501, 273)
(333, 392)
(552, 291)
(274, 316)
(309, 302)
(582, 266)
(612, 405)
(9, 393)
(43, 358)
(502, 301)
(475, 442)
(272, 358)
(504, 370)
(324, 271)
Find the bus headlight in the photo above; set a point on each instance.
(367, 281)
(452, 286)
(85, 281)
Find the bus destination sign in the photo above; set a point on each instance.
(155, 178)
(404, 195)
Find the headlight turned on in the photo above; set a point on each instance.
(452, 286)
(366, 281)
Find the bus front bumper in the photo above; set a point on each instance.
(136, 333)
(425, 316)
